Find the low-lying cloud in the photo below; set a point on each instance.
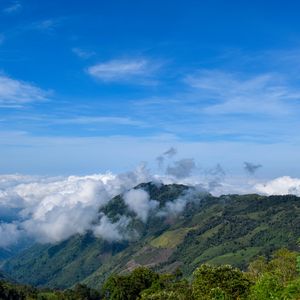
(52, 209)
(280, 186)
(139, 202)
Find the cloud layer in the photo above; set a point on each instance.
(51, 209)
(280, 186)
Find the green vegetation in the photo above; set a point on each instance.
(9, 291)
(274, 279)
(170, 239)
(231, 229)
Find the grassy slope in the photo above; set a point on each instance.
(230, 229)
(222, 230)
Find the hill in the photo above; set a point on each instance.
(228, 229)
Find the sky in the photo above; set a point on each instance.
(91, 86)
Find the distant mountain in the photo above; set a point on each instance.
(228, 229)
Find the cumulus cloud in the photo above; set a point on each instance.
(251, 168)
(139, 202)
(53, 209)
(280, 186)
(17, 93)
(181, 168)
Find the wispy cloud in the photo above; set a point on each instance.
(100, 119)
(83, 53)
(229, 93)
(16, 92)
(48, 25)
(124, 70)
(14, 7)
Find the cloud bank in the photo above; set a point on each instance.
(280, 186)
(51, 209)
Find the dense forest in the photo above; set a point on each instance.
(227, 247)
(275, 278)
(230, 229)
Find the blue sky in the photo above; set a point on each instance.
(89, 86)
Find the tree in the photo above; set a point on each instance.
(284, 264)
(129, 287)
(164, 295)
(223, 282)
(267, 287)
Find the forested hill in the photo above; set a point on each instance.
(230, 229)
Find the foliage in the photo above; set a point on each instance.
(276, 278)
(266, 279)
(283, 265)
(220, 282)
(267, 287)
(232, 229)
(130, 286)
(9, 291)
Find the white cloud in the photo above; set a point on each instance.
(173, 208)
(280, 186)
(13, 8)
(49, 209)
(266, 94)
(17, 93)
(137, 70)
(112, 231)
(139, 202)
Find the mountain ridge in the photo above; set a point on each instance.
(227, 229)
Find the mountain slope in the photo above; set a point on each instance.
(228, 229)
